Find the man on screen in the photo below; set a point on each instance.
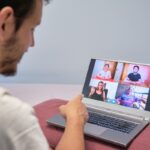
(134, 77)
(105, 73)
(128, 99)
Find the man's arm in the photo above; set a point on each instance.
(76, 114)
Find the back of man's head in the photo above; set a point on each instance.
(22, 9)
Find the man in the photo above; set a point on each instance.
(134, 77)
(19, 128)
(105, 74)
(127, 98)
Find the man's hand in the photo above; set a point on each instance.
(76, 115)
(75, 111)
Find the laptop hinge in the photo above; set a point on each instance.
(117, 113)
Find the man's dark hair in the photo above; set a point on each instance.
(136, 67)
(107, 65)
(22, 8)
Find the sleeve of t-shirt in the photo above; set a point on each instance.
(101, 73)
(21, 127)
(139, 76)
(129, 76)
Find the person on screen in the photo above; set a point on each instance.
(127, 98)
(134, 77)
(98, 93)
(105, 73)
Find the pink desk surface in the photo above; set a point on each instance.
(49, 108)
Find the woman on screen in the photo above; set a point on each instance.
(98, 93)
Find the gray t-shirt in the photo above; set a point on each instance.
(19, 127)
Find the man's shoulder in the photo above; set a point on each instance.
(130, 74)
(2, 91)
(101, 71)
(139, 74)
(19, 124)
(11, 108)
(8, 100)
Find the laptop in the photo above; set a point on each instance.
(117, 96)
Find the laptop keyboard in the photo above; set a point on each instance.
(110, 122)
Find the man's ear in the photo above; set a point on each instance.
(7, 23)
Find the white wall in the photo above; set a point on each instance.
(73, 31)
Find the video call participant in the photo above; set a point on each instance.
(98, 93)
(127, 98)
(134, 76)
(105, 74)
(19, 128)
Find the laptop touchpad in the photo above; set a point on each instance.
(93, 129)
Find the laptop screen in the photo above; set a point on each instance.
(121, 83)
